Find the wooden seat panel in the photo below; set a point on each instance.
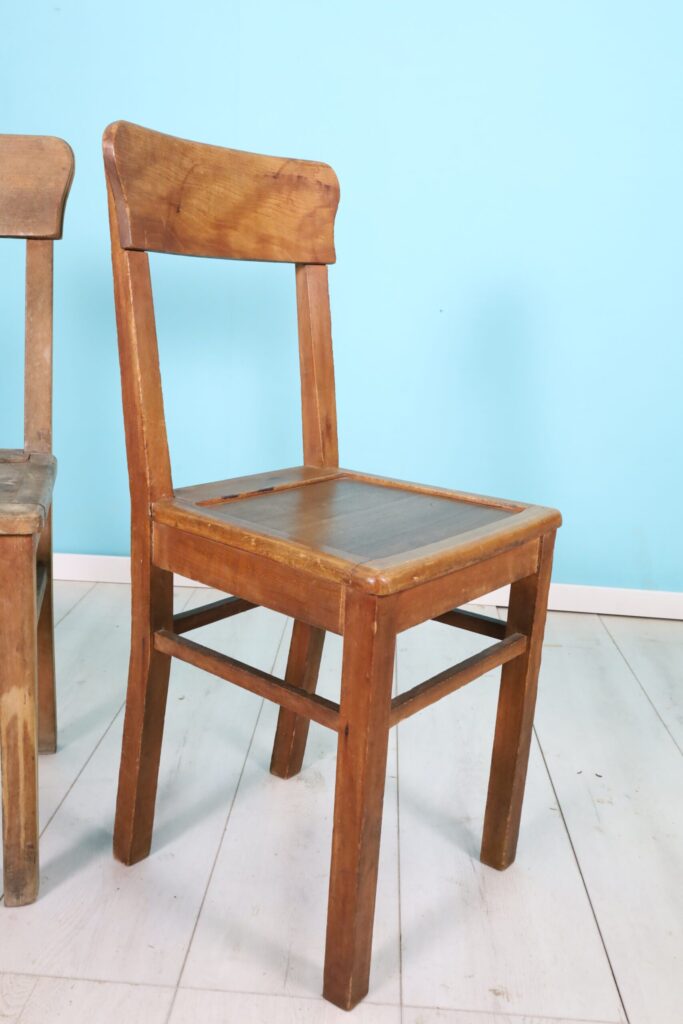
(345, 526)
(26, 484)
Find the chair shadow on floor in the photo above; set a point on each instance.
(96, 720)
(88, 846)
(463, 833)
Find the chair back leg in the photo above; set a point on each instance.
(148, 674)
(303, 665)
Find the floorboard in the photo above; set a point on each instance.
(619, 780)
(522, 941)
(262, 925)
(653, 650)
(226, 919)
(99, 920)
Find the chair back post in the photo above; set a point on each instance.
(174, 196)
(38, 346)
(149, 464)
(316, 363)
(36, 172)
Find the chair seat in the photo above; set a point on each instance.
(26, 484)
(381, 535)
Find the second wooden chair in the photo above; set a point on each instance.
(35, 177)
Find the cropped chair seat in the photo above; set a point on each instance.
(26, 483)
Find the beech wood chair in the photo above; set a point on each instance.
(35, 177)
(359, 555)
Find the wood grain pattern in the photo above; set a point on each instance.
(18, 720)
(318, 397)
(26, 484)
(381, 539)
(38, 347)
(367, 675)
(35, 177)
(432, 598)
(335, 549)
(188, 198)
(284, 588)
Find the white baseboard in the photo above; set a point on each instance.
(564, 597)
(574, 597)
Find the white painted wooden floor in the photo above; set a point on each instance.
(225, 920)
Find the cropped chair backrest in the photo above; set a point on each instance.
(35, 176)
(188, 198)
(173, 196)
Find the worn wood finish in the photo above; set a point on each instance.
(516, 705)
(335, 549)
(367, 675)
(18, 720)
(38, 347)
(287, 589)
(380, 539)
(434, 597)
(219, 492)
(26, 483)
(303, 664)
(188, 198)
(35, 177)
(318, 402)
(143, 726)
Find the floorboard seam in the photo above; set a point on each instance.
(34, 986)
(76, 603)
(526, 1018)
(640, 684)
(581, 875)
(99, 742)
(222, 838)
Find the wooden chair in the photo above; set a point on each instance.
(337, 550)
(35, 177)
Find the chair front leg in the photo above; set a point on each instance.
(18, 719)
(515, 717)
(47, 704)
(143, 729)
(303, 665)
(368, 663)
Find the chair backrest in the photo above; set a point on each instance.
(174, 196)
(36, 172)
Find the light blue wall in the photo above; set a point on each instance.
(508, 301)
